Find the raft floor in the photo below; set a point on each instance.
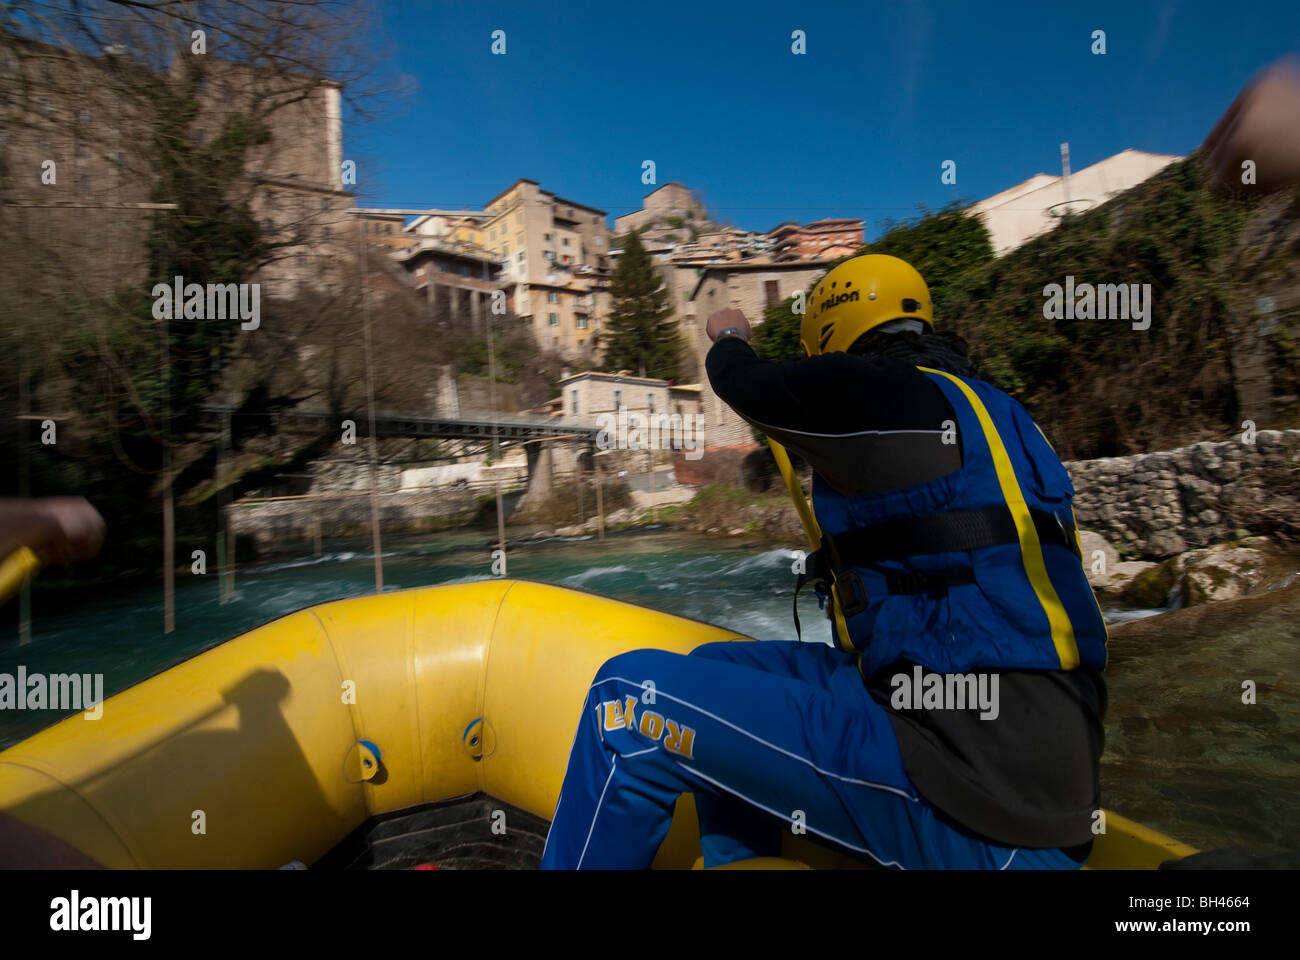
(454, 834)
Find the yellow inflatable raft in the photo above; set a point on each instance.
(278, 745)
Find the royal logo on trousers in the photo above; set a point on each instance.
(622, 715)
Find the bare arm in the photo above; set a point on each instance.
(58, 529)
(1263, 126)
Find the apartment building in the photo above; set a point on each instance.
(827, 239)
(384, 228)
(454, 226)
(556, 267)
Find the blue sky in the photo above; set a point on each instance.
(858, 126)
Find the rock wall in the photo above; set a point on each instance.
(1160, 504)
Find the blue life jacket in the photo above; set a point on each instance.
(1024, 603)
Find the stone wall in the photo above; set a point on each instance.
(289, 521)
(1160, 504)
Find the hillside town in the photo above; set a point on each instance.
(390, 393)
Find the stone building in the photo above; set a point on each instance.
(750, 287)
(668, 210)
(76, 150)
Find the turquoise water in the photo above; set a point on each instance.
(1231, 795)
(120, 635)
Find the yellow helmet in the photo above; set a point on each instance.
(860, 295)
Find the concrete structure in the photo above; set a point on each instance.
(827, 239)
(458, 280)
(1034, 207)
(750, 287)
(556, 264)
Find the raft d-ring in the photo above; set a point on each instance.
(361, 762)
(479, 738)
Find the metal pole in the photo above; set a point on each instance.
(169, 519)
(24, 491)
(496, 438)
(651, 455)
(1065, 169)
(224, 547)
(582, 478)
(375, 542)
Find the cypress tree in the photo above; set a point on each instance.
(640, 336)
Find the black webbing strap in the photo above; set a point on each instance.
(950, 531)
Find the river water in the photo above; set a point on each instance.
(727, 582)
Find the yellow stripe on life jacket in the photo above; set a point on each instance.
(1031, 550)
(810, 526)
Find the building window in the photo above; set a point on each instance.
(552, 297)
(618, 399)
(772, 292)
(520, 258)
(546, 237)
(574, 395)
(566, 241)
(554, 319)
(651, 398)
(581, 320)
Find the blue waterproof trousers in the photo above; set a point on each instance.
(768, 736)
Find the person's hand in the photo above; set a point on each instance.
(722, 319)
(70, 529)
(1263, 125)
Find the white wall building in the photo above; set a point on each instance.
(1034, 207)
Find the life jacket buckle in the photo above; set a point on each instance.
(850, 592)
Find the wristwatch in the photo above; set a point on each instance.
(731, 332)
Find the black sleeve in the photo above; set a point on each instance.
(835, 393)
